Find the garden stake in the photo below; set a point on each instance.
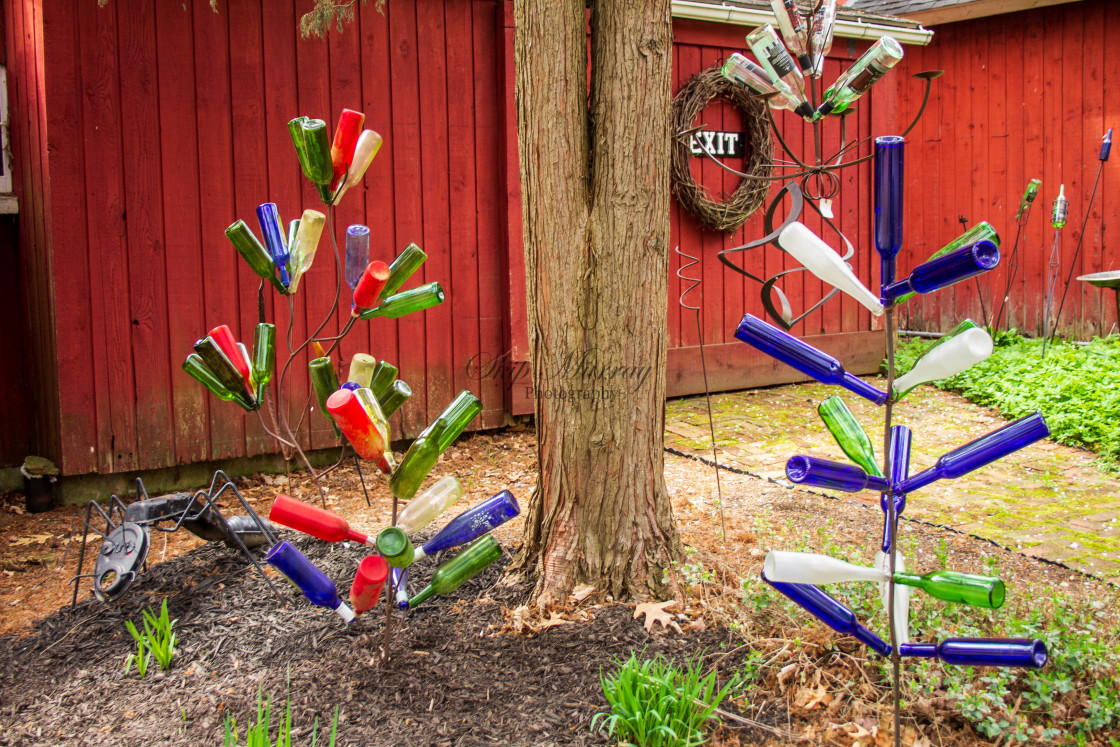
(1058, 220)
(703, 367)
(1106, 148)
(1021, 219)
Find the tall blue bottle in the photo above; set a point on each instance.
(803, 357)
(981, 452)
(269, 217)
(472, 524)
(982, 652)
(940, 272)
(899, 470)
(831, 613)
(824, 473)
(889, 150)
(314, 584)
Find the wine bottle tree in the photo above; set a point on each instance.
(800, 576)
(358, 408)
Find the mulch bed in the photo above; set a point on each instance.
(457, 674)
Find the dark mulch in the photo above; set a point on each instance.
(455, 678)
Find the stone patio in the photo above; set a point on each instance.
(1047, 500)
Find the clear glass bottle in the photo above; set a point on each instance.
(304, 244)
(794, 30)
(362, 366)
(775, 59)
(357, 253)
(743, 71)
(820, 43)
(424, 508)
(856, 80)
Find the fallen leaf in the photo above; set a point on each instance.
(553, 620)
(581, 592)
(655, 613)
(37, 538)
(809, 698)
(785, 674)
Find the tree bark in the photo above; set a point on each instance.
(595, 189)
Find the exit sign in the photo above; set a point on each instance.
(732, 144)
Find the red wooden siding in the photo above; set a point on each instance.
(167, 122)
(1024, 95)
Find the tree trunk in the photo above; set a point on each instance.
(595, 186)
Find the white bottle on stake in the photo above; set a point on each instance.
(823, 261)
(739, 69)
(958, 351)
(813, 568)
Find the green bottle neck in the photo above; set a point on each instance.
(426, 593)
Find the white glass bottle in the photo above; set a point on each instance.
(823, 261)
(957, 351)
(813, 568)
(424, 508)
(856, 80)
(775, 59)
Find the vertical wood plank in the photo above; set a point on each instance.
(147, 288)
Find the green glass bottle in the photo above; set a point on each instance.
(317, 146)
(849, 434)
(965, 588)
(982, 231)
(253, 252)
(383, 375)
(264, 354)
(417, 299)
(402, 268)
(196, 367)
(395, 547)
(857, 79)
(295, 130)
(460, 569)
(417, 463)
(456, 416)
(393, 397)
(325, 382)
(223, 369)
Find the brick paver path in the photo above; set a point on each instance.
(1046, 500)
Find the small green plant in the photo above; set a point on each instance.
(157, 641)
(257, 735)
(657, 704)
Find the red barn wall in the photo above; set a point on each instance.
(1024, 95)
(150, 127)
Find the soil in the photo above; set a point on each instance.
(474, 667)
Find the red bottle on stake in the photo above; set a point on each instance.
(356, 424)
(303, 517)
(368, 581)
(345, 139)
(369, 286)
(223, 338)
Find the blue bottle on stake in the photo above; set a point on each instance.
(889, 151)
(941, 272)
(269, 217)
(831, 612)
(472, 524)
(982, 652)
(314, 584)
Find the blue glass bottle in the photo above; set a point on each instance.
(957, 265)
(824, 473)
(889, 162)
(982, 652)
(273, 231)
(314, 584)
(981, 452)
(803, 357)
(398, 577)
(357, 253)
(831, 613)
(472, 524)
(899, 464)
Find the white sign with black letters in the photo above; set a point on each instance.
(731, 144)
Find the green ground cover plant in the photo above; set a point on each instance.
(1077, 388)
(158, 641)
(257, 733)
(655, 703)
